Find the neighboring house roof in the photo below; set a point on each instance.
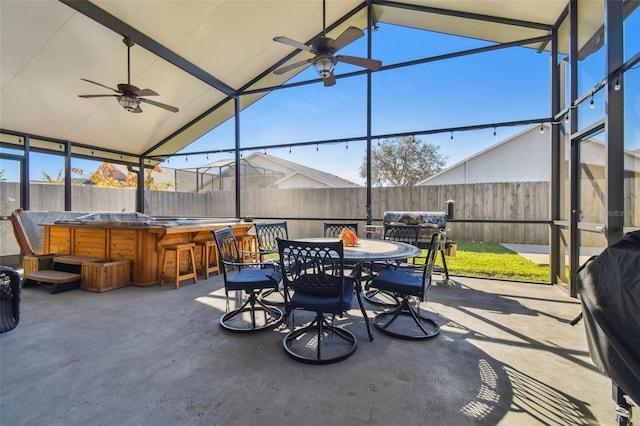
(524, 157)
(289, 171)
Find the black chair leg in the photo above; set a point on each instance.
(384, 324)
(272, 316)
(321, 330)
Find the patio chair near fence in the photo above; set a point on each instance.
(409, 283)
(251, 278)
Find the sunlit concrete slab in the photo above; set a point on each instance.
(506, 355)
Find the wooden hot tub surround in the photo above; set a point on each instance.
(139, 242)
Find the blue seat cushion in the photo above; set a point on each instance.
(254, 278)
(398, 281)
(323, 303)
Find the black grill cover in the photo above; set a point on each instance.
(609, 286)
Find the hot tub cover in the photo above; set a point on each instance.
(609, 286)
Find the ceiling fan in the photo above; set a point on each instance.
(128, 95)
(324, 48)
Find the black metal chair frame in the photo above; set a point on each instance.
(314, 280)
(267, 235)
(10, 288)
(395, 232)
(333, 230)
(413, 282)
(264, 274)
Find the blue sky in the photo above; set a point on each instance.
(503, 85)
(470, 90)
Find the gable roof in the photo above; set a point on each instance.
(199, 56)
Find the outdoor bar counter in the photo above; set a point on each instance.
(141, 241)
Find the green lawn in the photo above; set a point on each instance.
(492, 260)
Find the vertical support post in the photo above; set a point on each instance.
(140, 188)
(25, 184)
(237, 154)
(574, 172)
(614, 126)
(556, 151)
(67, 176)
(369, 48)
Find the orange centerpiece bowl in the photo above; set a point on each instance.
(348, 237)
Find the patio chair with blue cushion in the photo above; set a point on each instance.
(251, 278)
(314, 277)
(267, 235)
(395, 232)
(409, 283)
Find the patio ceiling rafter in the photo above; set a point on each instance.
(116, 25)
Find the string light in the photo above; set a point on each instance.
(451, 138)
(346, 145)
(265, 151)
(617, 85)
(316, 147)
(289, 149)
(541, 128)
(207, 155)
(591, 104)
(494, 132)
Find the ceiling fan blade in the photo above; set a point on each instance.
(349, 35)
(289, 67)
(96, 96)
(158, 104)
(145, 92)
(370, 64)
(329, 81)
(128, 89)
(290, 42)
(99, 84)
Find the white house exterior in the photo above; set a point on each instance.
(524, 157)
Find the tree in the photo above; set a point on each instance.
(403, 162)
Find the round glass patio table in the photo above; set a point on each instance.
(369, 250)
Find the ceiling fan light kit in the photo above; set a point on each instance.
(128, 95)
(130, 103)
(324, 66)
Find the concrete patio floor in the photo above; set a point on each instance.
(156, 356)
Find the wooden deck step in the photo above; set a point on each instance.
(59, 280)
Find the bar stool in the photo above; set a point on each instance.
(249, 245)
(177, 276)
(207, 264)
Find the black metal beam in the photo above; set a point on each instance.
(116, 25)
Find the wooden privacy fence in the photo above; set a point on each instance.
(307, 208)
(511, 201)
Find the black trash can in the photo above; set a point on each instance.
(10, 287)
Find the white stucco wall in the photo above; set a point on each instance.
(524, 158)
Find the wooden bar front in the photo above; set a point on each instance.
(138, 243)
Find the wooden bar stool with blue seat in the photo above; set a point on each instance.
(177, 275)
(209, 257)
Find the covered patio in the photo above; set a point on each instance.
(507, 353)
(134, 356)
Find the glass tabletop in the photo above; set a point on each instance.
(368, 249)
